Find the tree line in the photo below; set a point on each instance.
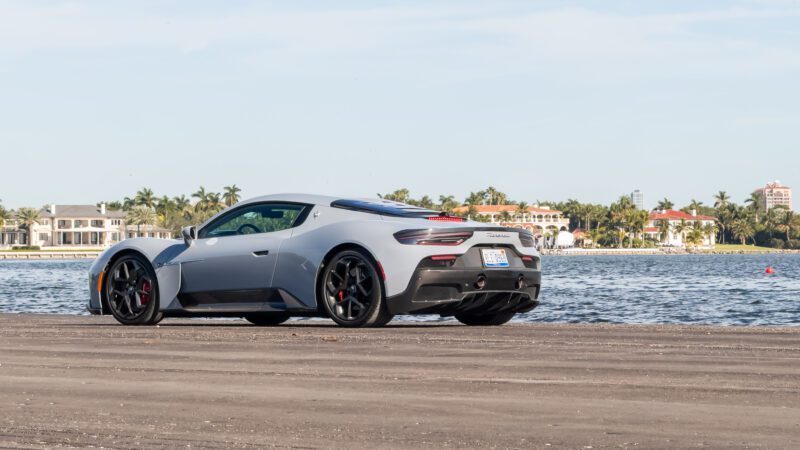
(618, 224)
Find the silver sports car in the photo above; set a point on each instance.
(358, 262)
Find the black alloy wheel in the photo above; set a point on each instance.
(131, 289)
(351, 291)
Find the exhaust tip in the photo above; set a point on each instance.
(480, 282)
(521, 282)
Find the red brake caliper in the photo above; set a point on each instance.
(341, 295)
(146, 287)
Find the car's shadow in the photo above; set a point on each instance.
(237, 324)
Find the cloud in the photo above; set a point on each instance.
(457, 41)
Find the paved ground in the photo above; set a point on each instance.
(85, 381)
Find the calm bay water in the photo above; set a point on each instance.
(702, 289)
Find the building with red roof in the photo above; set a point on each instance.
(543, 222)
(675, 228)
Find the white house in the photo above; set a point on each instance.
(543, 222)
(76, 226)
(674, 236)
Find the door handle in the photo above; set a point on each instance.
(261, 253)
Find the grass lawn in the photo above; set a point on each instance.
(742, 248)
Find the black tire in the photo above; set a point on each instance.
(267, 319)
(351, 291)
(486, 319)
(131, 291)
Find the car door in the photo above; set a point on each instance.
(231, 263)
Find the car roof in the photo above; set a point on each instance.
(295, 198)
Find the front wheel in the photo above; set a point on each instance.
(131, 289)
(351, 292)
(486, 319)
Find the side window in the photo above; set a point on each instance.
(261, 218)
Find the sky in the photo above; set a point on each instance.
(543, 100)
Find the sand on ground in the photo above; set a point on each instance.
(86, 381)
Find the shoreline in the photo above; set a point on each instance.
(66, 254)
(92, 254)
(86, 381)
(656, 251)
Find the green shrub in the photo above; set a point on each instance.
(794, 244)
(775, 243)
(27, 248)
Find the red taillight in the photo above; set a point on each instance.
(527, 258)
(430, 237)
(444, 257)
(446, 219)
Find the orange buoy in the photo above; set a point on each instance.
(770, 270)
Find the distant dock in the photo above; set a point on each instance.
(77, 254)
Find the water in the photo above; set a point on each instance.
(699, 289)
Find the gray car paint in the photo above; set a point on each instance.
(295, 255)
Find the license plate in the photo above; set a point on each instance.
(494, 257)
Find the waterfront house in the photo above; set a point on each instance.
(544, 223)
(674, 236)
(76, 226)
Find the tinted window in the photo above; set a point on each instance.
(261, 218)
(384, 207)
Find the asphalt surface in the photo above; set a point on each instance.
(85, 381)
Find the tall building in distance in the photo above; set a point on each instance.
(638, 199)
(775, 194)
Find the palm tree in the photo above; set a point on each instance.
(476, 198)
(681, 228)
(447, 203)
(787, 223)
(128, 203)
(183, 205)
(495, 197)
(202, 199)
(145, 197)
(664, 228)
(695, 237)
(772, 219)
(29, 217)
(710, 230)
(164, 206)
(742, 230)
(231, 195)
(637, 220)
(141, 215)
(665, 204)
(522, 209)
(722, 199)
(505, 216)
(754, 203)
(400, 195)
(4, 215)
(694, 205)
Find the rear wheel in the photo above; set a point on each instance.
(267, 319)
(132, 291)
(485, 319)
(350, 290)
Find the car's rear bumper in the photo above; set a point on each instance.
(450, 291)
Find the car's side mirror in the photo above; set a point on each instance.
(189, 235)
